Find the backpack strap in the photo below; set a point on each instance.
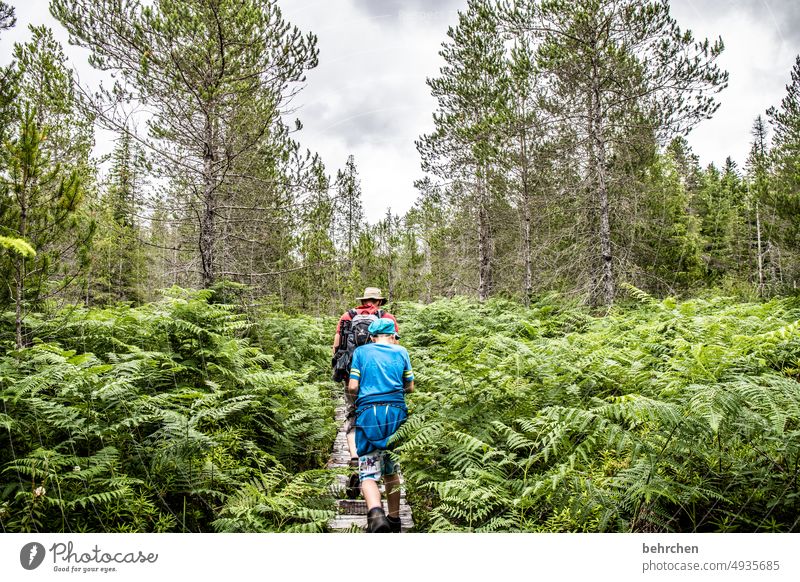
(380, 313)
(344, 330)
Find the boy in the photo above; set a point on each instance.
(380, 376)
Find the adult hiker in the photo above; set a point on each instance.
(351, 332)
(380, 376)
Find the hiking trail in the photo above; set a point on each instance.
(353, 513)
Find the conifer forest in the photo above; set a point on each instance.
(605, 333)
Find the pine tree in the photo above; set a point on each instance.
(758, 200)
(785, 161)
(471, 94)
(410, 259)
(7, 17)
(8, 74)
(619, 70)
(40, 201)
(427, 221)
(349, 211)
(163, 244)
(668, 240)
(390, 251)
(44, 179)
(721, 209)
(529, 156)
(318, 281)
(214, 74)
(119, 270)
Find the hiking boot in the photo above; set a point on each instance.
(353, 486)
(377, 522)
(394, 523)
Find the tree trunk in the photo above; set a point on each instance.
(207, 227)
(528, 261)
(484, 242)
(605, 293)
(390, 255)
(428, 270)
(776, 272)
(526, 218)
(605, 230)
(350, 225)
(759, 253)
(207, 241)
(20, 270)
(18, 302)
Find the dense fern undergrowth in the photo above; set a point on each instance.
(664, 416)
(192, 415)
(180, 415)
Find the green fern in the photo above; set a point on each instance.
(154, 418)
(662, 417)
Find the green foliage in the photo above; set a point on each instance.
(44, 176)
(18, 246)
(167, 417)
(279, 501)
(215, 78)
(668, 240)
(118, 262)
(785, 121)
(664, 416)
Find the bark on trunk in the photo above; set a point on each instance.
(605, 230)
(20, 270)
(389, 268)
(484, 242)
(207, 226)
(759, 253)
(526, 218)
(528, 261)
(428, 273)
(776, 272)
(207, 241)
(18, 306)
(605, 293)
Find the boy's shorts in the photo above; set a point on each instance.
(376, 464)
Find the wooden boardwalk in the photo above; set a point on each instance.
(352, 514)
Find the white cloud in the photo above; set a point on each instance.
(368, 95)
(759, 54)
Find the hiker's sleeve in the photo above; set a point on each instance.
(396, 326)
(355, 367)
(408, 373)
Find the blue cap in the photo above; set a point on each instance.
(382, 326)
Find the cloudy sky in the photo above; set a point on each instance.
(368, 95)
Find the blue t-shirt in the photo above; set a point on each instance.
(381, 370)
